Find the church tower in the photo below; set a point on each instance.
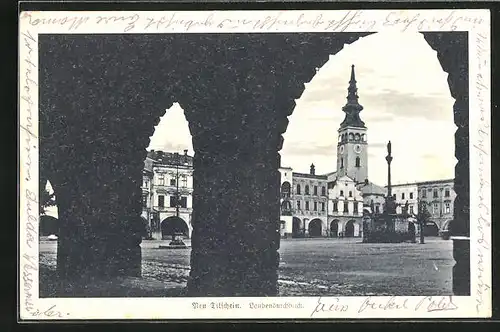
(352, 154)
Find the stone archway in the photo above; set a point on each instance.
(236, 141)
(431, 229)
(349, 228)
(334, 228)
(174, 225)
(297, 227)
(315, 228)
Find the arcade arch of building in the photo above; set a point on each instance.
(99, 235)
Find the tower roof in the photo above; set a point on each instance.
(352, 107)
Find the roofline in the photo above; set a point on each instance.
(422, 183)
(313, 176)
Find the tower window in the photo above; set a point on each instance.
(307, 206)
(161, 201)
(411, 195)
(298, 205)
(315, 206)
(341, 162)
(341, 193)
(315, 190)
(346, 207)
(350, 193)
(335, 206)
(447, 193)
(307, 190)
(447, 208)
(298, 189)
(358, 162)
(403, 196)
(323, 206)
(323, 191)
(435, 193)
(355, 207)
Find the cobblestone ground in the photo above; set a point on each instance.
(312, 267)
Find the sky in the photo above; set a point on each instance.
(406, 99)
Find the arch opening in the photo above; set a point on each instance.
(315, 228)
(172, 226)
(334, 228)
(349, 229)
(297, 230)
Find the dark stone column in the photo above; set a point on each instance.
(99, 102)
(452, 52)
(236, 218)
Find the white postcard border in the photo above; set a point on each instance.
(476, 22)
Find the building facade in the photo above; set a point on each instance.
(309, 209)
(168, 194)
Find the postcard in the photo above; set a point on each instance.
(283, 164)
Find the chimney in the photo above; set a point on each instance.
(312, 169)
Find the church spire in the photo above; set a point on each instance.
(352, 108)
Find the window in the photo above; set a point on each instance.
(411, 209)
(184, 181)
(350, 193)
(307, 190)
(411, 195)
(323, 191)
(172, 182)
(172, 201)
(447, 193)
(298, 189)
(183, 202)
(435, 208)
(394, 196)
(358, 162)
(144, 200)
(377, 209)
(346, 207)
(315, 190)
(341, 162)
(323, 206)
(447, 208)
(161, 180)
(307, 206)
(435, 193)
(298, 205)
(335, 206)
(341, 193)
(403, 196)
(424, 194)
(315, 206)
(355, 207)
(161, 201)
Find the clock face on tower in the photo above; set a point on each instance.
(341, 149)
(357, 148)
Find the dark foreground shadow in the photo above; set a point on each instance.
(51, 286)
